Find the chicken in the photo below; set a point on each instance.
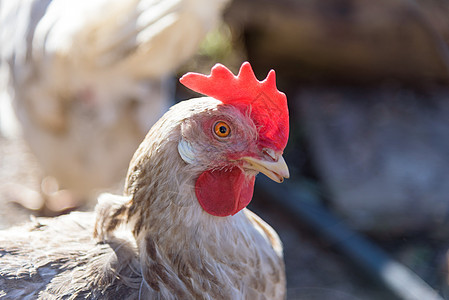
(88, 78)
(181, 229)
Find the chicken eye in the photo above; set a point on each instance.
(221, 129)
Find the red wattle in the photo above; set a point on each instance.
(224, 193)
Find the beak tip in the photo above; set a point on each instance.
(283, 177)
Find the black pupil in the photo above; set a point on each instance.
(223, 129)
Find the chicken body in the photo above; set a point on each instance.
(157, 241)
(88, 78)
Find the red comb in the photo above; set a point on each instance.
(266, 105)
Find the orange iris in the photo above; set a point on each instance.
(222, 129)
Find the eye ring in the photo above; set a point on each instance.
(222, 129)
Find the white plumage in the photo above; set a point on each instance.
(88, 78)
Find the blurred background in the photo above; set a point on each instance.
(365, 213)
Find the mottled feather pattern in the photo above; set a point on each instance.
(155, 242)
(59, 259)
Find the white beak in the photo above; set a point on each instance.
(275, 170)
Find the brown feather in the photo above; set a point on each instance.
(156, 242)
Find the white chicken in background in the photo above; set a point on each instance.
(88, 78)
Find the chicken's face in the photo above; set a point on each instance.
(228, 146)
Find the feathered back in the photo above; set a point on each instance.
(265, 104)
